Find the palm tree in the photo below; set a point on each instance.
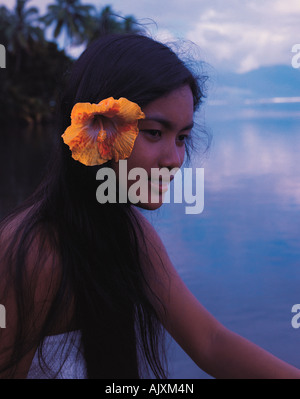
(107, 21)
(131, 25)
(23, 31)
(70, 17)
(5, 22)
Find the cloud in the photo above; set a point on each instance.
(236, 35)
(242, 36)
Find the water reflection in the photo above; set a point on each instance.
(241, 256)
(252, 181)
(267, 152)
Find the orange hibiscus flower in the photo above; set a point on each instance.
(103, 131)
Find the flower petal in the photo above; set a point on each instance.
(103, 131)
(129, 111)
(124, 144)
(83, 147)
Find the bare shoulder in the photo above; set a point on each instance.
(30, 278)
(30, 256)
(13, 233)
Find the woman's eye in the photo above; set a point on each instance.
(183, 138)
(153, 132)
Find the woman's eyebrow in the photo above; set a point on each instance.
(166, 123)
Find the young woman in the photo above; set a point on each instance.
(88, 286)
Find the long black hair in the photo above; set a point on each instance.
(100, 286)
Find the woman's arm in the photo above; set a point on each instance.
(41, 277)
(215, 349)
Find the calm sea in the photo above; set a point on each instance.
(241, 255)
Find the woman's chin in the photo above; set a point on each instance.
(149, 205)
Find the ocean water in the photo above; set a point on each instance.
(241, 256)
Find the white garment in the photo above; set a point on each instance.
(63, 356)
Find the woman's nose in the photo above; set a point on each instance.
(171, 156)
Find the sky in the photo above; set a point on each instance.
(232, 35)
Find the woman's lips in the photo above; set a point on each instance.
(159, 185)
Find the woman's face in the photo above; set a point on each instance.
(160, 143)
